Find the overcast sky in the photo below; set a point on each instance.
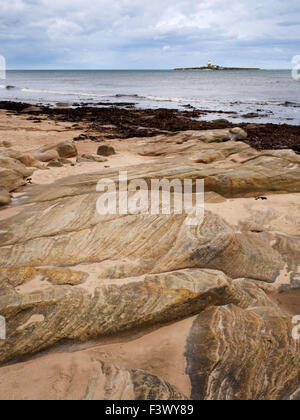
(148, 34)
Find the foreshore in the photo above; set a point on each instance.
(127, 306)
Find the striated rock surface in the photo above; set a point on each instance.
(92, 309)
(4, 197)
(79, 376)
(238, 354)
(121, 301)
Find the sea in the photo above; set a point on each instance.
(274, 95)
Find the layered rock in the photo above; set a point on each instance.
(62, 149)
(15, 167)
(79, 376)
(39, 315)
(238, 354)
(4, 197)
(107, 287)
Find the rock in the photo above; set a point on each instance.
(15, 165)
(10, 180)
(105, 150)
(55, 164)
(94, 158)
(5, 197)
(209, 157)
(48, 156)
(81, 137)
(32, 109)
(65, 161)
(67, 150)
(63, 105)
(80, 376)
(238, 133)
(251, 115)
(197, 306)
(229, 344)
(83, 160)
(158, 298)
(25, 158)
(5, 143)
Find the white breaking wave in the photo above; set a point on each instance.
(175, 99)
(59, 92)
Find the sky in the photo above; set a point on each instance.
(148, 34)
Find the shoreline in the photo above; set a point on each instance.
(126, 121)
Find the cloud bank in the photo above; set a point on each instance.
(132, 34)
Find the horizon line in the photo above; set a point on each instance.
(114, 69)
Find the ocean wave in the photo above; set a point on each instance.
(166, 98)
(64, 92)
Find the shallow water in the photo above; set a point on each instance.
(275, 95)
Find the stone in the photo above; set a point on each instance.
(10, 180)
(32, 109)
(145, 306)
(158, 298)
(55, 164)
(228, 344)
(63, 105)
(105, 150)
(48, 156)
(66, 150)
(25, 158)
(83, 160)
(15, 165)
(94, 158)
(65, 161)
(5, 197)
(5, 143)
(80, 376)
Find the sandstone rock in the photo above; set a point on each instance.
(228, 344)
(233, 351)
(79, 376)
(65, 161)
(94, 309)
(5, 143)
(55, 164)
(47, 156)
(105, 150)
(4, 197)
(26, 158)
(15, 165)
(10, 180)
(94, 158)
(166, 246)
(83, 160)
(209, 157)
(67, 150)
(197, 306)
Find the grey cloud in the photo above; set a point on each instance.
(139, 33)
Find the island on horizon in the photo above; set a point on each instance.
(211, 67)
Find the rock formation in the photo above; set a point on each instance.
(107, 287)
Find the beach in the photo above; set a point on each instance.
(138, 306)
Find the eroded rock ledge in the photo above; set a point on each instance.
(69, 276)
